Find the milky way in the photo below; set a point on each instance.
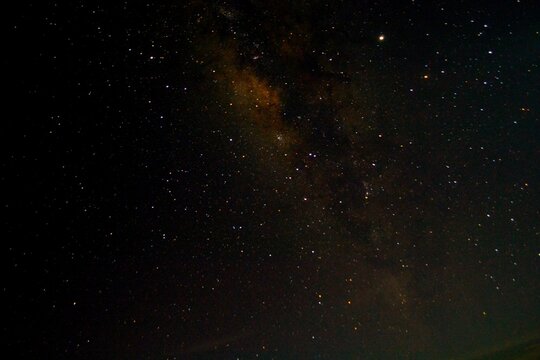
(242, 179)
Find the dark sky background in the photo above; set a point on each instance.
(272, 179)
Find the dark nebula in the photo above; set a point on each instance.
(272, 179)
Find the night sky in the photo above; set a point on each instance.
(272, 179)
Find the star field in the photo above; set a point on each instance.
(281, 180)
